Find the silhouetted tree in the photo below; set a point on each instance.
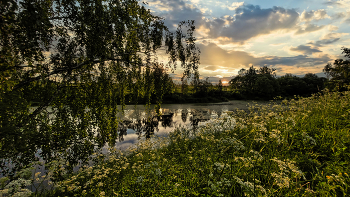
(314, 83)
(339, 72)
(292, 85)
(256, 82)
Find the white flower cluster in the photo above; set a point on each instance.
(225, 122)
(219, 166)
(288, 166)
(158, 172)
(249, 187)
(152, 163)
(231, 142)
(139, 180)
(308, 139)
(17, 188)
(287, 170)
(218, 185)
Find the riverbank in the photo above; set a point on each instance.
(297, 148)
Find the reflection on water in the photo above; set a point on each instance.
(138, 122)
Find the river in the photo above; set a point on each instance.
(174, 115)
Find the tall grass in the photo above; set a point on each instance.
(296, 148)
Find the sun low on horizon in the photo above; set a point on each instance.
(292, 36)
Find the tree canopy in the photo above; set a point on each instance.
(77, 60)
(339, 72)
(256, 82)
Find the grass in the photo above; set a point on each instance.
(296, 148)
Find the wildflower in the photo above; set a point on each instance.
(259, 138)
(256, 155)
(219, 166)
(248, 186)
(158, 172)
(281, 179)
(308, 139)
(139, 180)
(231, 142)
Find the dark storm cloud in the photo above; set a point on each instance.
(305, 49)
(251, 21)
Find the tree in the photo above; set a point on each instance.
(219, 88)
(256, 82)
(84, 56)
(202, 87)
(292, 85)
(314, 83)
(339, 72)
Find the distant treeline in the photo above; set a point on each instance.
(253, 83)
(262, 83)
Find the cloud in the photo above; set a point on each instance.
(251, 21)
(174, 11)
(212, 67)
(339, 15)
(307, 28)
(305, 49)
(296, 61)
(212, 54)
(235, 5)
(322, 42)
(332, 3)
(333, 36)
(308, 16)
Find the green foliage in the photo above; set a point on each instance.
(254, 82)
(295, 148)
(339, 72)
(262, 83)
(77, 60)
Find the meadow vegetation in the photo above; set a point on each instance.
(297, 148)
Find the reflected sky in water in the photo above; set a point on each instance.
(174, 115)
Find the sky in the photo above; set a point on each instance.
(292, 36)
